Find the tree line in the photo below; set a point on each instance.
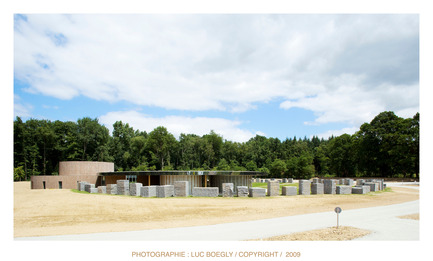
(388, 146)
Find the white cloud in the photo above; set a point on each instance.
(337, 133)
(348, 103)
(21, 109)
(176, 125)
(408, 112)
(353, 105)
(345, 68)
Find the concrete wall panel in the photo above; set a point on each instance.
(74, 168)
(67, 182)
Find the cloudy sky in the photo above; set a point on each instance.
(239, 75)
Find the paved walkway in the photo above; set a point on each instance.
(383, 221)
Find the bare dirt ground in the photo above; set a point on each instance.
(60, 212)
(326, 234)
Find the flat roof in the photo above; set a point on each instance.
(185, 172)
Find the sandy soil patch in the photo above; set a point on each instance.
(325, 234)
(413, 216)
(60, 212)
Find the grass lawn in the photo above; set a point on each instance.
(265, 185)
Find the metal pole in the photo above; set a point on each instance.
(338, 215)
(337, 210)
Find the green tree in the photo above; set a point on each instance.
(216, 141)
(20, 146)
(342, 156)
(32, 141)
(233, 151)
(278, 168)
(68, 147)
(137, 148)
(120, 143)
(19, 174)
(160, 142)
(205, 153)
(414, 145)
(47, 137)
(236, 166)
(187, 150)
(33, 160)
(223, 165)
(90, 136)
(305, 166)
(258, 150)
(388, 145)
(300, 167)
(321, 160)
(251, 165)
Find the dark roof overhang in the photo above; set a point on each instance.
(185, 172)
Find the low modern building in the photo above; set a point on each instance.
(195, 178)
(102, 173)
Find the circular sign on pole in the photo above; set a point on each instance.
(338, 211)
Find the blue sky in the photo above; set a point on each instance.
(239, 75)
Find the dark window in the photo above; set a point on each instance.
(131, 178)
(43, 182)
(60, 185)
